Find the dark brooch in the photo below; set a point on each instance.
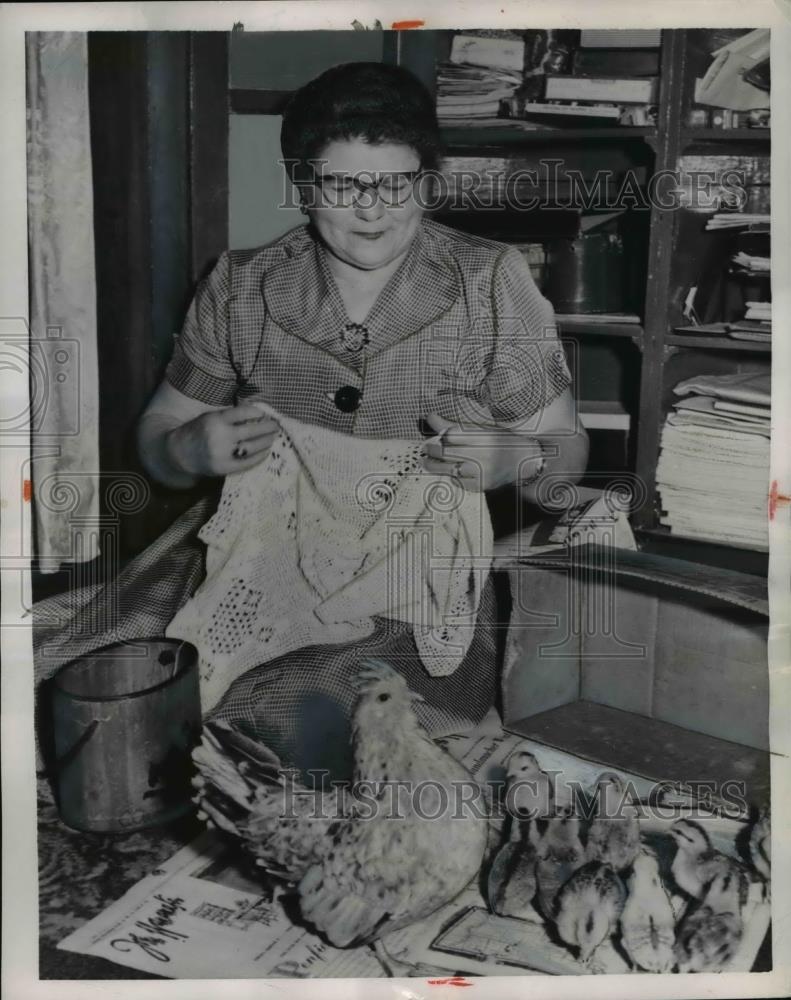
(354, 336)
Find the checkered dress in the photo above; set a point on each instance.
(460, 330)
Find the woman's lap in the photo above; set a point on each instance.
(300, 704)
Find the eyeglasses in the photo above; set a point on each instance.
(393, 187)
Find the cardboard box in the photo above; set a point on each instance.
(652, 664)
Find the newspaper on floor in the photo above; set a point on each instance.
(201, 915)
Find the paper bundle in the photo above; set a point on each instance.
(713, 469)
(469, 93)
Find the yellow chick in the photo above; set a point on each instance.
(710, 933)
(557, 838)
(560, 853)
(648, 921)
(761, 845)
(614, 833)
(529, 791)
(696, 863)
(512, 881)
(588, 907)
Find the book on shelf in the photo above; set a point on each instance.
(635, 90)
(620, 38)
(581, 115)
(493, 123)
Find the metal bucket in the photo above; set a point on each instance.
(124, 726)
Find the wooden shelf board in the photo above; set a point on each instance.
(591, 325)
(460, 138)
(650, 748)
(725, 134)
(715, 553)
(714, 343)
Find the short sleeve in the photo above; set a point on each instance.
(201, 366)
(528, 369)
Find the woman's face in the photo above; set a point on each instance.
(365, 227)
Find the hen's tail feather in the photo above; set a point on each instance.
(242, 793)
(218, 772)
(345, 919)
(236, 744)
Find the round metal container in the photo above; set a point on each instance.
(125, 721)
(587, 274)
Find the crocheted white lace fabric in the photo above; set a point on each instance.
(325, 533)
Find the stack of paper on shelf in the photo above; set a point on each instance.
(482, 72)
(468, 93)
(759, 310)
(739, 220)
(752, 263)
(713, 469)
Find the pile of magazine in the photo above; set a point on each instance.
(713, 469)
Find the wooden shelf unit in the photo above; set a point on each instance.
(682, 59)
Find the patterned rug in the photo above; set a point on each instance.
(81, 873)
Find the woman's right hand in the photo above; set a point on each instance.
(221, 441)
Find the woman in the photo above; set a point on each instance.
(376, 323)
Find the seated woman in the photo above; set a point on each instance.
(376, 323)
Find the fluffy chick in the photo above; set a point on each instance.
(557, 838)
(530, 793)
(559, 854)
(761, 845)
(371, 870)
(696, 863)
(512, 881)
(648, 920)
(710, 933)
(614, 833)
(588, 907)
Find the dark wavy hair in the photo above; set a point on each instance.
(377, 102)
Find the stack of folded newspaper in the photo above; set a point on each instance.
(713, 468)
(482, 72)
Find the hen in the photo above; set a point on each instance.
(379, 863)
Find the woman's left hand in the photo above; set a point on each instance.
(481, 458)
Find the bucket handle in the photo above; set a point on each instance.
(58, 765)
